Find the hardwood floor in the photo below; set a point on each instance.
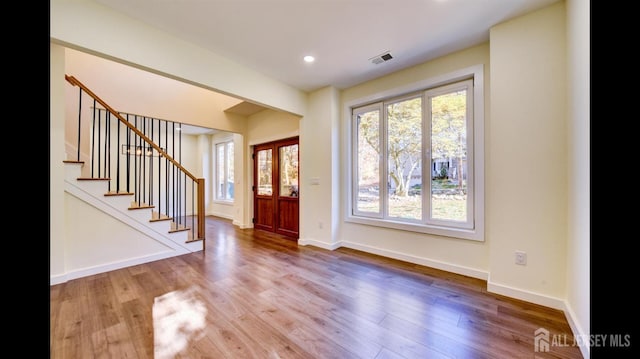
(255, 294)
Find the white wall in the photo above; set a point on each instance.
(203, 157)
(578, 221)
(90, 27)
(319, 160)
(96, 240)
(56, 156)
(269, 125)
(241, 192)
(191, 159)
(457, 255)
(527, 147)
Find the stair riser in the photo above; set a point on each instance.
(119, 201)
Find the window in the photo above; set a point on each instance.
(414, 163)
(224, 171)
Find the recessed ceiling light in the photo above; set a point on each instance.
(309, 58)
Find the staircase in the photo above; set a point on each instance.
(125, 166)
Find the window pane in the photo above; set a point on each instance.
(404, 153)
(368, 196)
(289, 171)
(220, 171)
(265, 181)
(229, 170)
(449, 156)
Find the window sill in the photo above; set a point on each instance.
(470, 234)
(224, 202)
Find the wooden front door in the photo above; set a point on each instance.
(275, 190)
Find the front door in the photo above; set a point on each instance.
(276, 191)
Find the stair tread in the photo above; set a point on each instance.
(194, 240)
(93, 179)
(144, 206)
(114, 193)
(72, 161)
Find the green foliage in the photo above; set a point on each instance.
(443, 174)
(404, 137)
(448, 125)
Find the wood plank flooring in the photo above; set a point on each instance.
(254, 294)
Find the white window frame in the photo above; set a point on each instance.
(382, 191)
(226, 169)
(473, 229)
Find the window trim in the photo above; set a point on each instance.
(476, 233)
(224, 142)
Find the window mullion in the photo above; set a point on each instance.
(426, 158)
(384, 163)
(471, 185)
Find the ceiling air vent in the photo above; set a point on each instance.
(385, 56)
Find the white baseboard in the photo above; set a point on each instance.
(220, 214)
(241, 225)
(449, 267)
(57, 279)
(528, 296)
(101, 268)
(319, 244)
(454, 268)
(577, 330)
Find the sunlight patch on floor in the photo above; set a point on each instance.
(178, 318)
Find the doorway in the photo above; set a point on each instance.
(276, 190)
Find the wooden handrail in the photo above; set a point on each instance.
(72, 80)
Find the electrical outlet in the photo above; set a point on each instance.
(521, 258)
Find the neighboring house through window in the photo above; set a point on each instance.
(416, 158)
(224, 171)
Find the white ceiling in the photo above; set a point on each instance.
(272, 36)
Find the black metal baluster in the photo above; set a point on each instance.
(128, 157)
(151, 167)
(180, 214)
(79, 122)
(143, 159)
(93, 137)
(173, 185)
(159, 167)
(107, 150)
(135, 162)
(166, 171)
(99, 143)
(193, 217)
(118, 159)
(180, 193)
